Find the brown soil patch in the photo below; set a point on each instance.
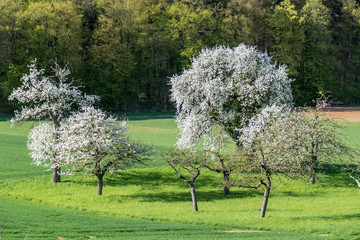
(351, 114)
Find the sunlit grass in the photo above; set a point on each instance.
(157, 194)
(352, 133)
(159, 133)
(328, 209)
(23, 219)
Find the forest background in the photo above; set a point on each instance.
(126, 50)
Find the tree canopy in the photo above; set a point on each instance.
(229, 88)
(124, 51)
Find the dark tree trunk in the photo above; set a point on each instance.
(312, 174)
(100, 184)
(193, 197)
(265, 202)
(56, 170)
(226, 190)
(312, 178)
(56, 175)
(312, 167)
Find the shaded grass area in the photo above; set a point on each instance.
(146, 115)
(6, 117)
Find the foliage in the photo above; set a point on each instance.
(226, 87)
(192, 28)
(127, 48)
(111, 55)
(288, 34)
(95, 143)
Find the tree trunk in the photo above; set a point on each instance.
(100, 184)
(265, 202)
(56, 175)
(57, 170)
(226, 190)
(312, 179)
(193, 197)
(312, 175)
(312, 166)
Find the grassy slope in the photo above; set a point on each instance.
(157, 194)
(21, 219)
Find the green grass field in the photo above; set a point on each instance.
(150, 202)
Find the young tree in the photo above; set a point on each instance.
(319, 138)
(91, 141)
(223, 156)
(187, 166)
(48, 97)
(267, 150)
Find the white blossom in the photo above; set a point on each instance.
(41, 143)
(227, 87)
(92, 141)
(258, 124)
(47, 97)
(43, 96)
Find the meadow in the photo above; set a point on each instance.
(151, 202)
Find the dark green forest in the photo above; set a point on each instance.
(126, 50)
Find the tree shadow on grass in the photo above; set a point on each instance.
(185, 196)
(294, 194)
(147, 115)
(5, 117)
(156, 179)
(336, 175)
(147, 179)
(337, 217)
